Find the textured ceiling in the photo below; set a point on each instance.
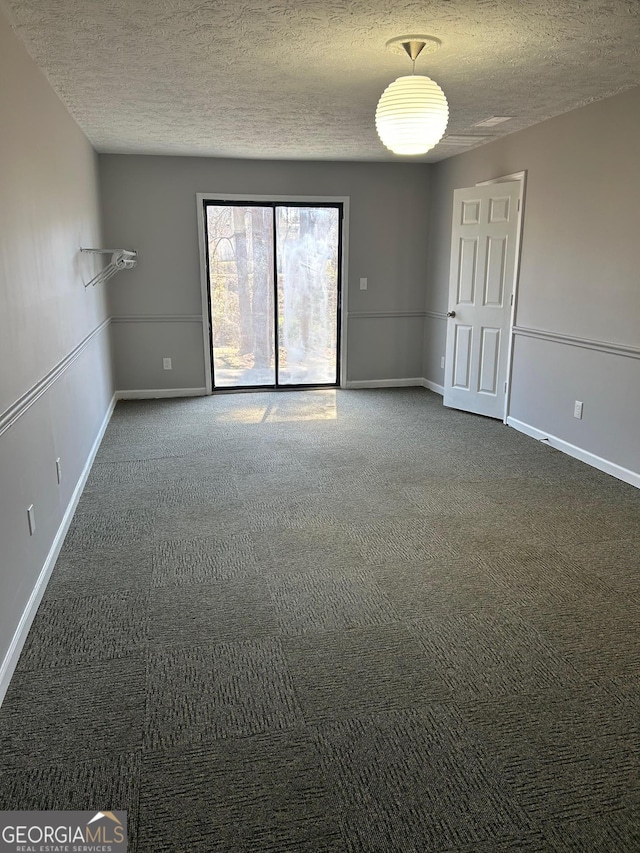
(300, 79)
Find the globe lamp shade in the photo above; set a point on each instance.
(412, 115)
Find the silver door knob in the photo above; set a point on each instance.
(451, 313)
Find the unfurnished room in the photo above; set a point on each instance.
(319, 426)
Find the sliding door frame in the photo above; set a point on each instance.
(281, 201)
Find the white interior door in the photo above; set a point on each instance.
(481, 284)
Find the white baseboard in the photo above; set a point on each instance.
(15, 648)
(418, 381)
(384, 383)
(631, 477)
(160, 393)
(433, 386)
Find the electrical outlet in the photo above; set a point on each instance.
(442, 362)
(32, 520)
(577, 409)
(58, 470)
(166, 364)
(363, 284)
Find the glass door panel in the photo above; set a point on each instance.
(274, 293)
(241, 287)
(307, 249)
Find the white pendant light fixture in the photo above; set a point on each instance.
(412, 112)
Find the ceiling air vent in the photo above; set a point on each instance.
(492, 122)
(462, 140)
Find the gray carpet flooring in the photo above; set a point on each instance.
(327, 621)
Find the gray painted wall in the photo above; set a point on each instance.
(149, 204)
(579, 271)
(48, 209)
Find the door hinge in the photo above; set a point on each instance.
(511, 302)
(519, 204)
(505, 387)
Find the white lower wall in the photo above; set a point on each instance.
(434, 346)
(140, 344)
(384, 347)
(66, 422)
(548, 377)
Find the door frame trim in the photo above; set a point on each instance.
(276, 199)
(522, 177)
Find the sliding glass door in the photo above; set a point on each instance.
(274, 293)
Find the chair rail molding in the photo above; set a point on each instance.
(157, 318)
(571, 340)
(17, 409)
(373, 315)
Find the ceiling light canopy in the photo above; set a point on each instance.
(412, 112)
